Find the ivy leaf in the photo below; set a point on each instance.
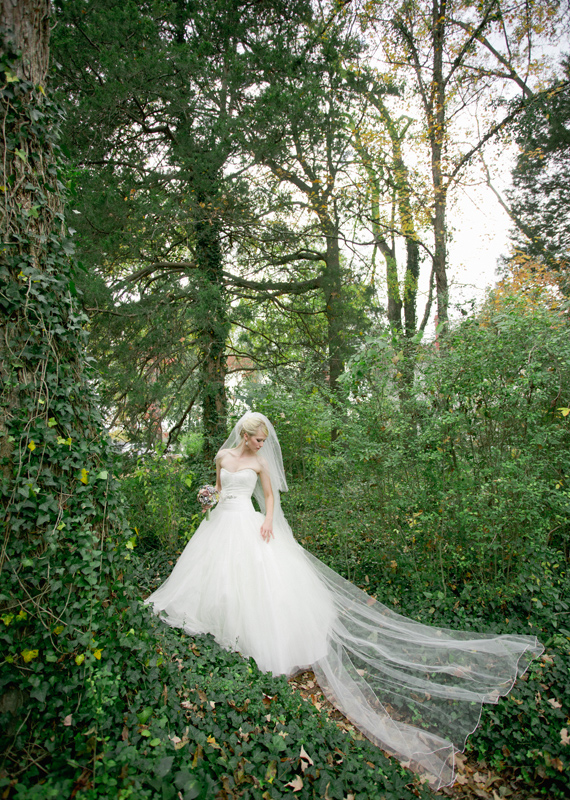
(97, 654)
(164, 765)
(102, 476)
(52, 422)
(11, 78)
(32, 445)
(80, 659)
(21, 154)
(83, 478)
(144, 715)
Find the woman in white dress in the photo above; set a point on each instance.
(415, 690)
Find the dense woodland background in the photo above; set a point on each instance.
(213, 206)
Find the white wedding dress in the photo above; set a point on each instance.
(415, 690)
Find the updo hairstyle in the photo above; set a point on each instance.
(251, 424)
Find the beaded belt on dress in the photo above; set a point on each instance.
(228, 494)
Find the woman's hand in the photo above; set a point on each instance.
(267, 530)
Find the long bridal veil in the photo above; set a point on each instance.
(416, 691)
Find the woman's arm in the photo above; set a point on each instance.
(218, 467)
(267, 527)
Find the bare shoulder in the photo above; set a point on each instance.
(263, 464)
(221, 453)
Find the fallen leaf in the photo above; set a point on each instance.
(554, 702)
(296, 784)
(271, 772)
(67, 721)
(564, 738)
(306, 759)
(213, 743)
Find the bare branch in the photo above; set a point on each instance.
(513, 75)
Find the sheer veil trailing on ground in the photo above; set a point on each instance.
(416, 691)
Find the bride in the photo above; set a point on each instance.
(416, 691)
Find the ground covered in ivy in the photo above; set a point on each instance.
(154, 713)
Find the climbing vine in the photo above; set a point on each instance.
(61, 548)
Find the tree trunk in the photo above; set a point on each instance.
(24, 27)
(332, 287)
(215, 328)
(411, 286)
(55, 494)
(437, 131)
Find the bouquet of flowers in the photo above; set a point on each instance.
(208, 496)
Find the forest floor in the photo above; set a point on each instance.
(474, 779)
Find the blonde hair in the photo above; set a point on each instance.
(251, 424)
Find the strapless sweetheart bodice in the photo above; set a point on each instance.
(237, 485)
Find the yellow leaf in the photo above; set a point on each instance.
(80, 659)
(32, 445)
(564, 411)
(28, 655)
(41, 88)
(59, 629)
(97, 654)
(84, 474)
(22, 614)
(7, 619)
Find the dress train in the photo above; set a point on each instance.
(415, 690)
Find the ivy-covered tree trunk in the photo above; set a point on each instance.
(54, 494)
(214, 330)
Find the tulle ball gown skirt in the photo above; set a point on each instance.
(260, 598)
(415, 690)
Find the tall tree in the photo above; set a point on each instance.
(391, 208)
(307, 147)
(460, 55)
(167, 109)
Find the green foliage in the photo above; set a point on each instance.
(161, 496)
(64, 534)
(472, 468)
(161, 713)
(540, 198)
